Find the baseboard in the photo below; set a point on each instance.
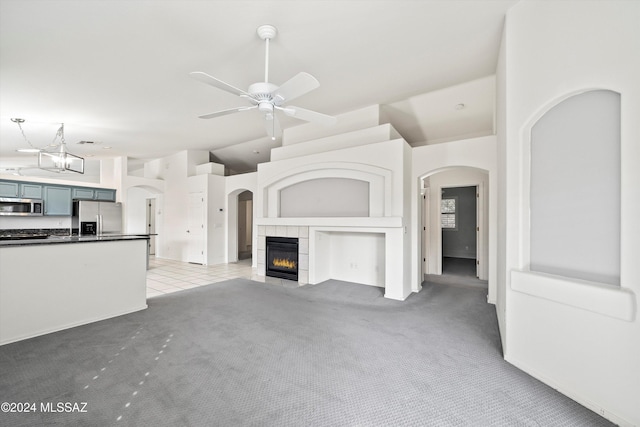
(572, 394)
(463, 255)
(502, 329)
(72, 325)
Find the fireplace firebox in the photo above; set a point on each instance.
(282, 257)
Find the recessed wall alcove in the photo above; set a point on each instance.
(325, 197)
(574, 186)
(349, 256)
(357, 179)
(572, 204)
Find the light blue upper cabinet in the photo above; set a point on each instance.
(57, 200)
(83, 193)
(31, 191)
(8, 189)
(105, 195)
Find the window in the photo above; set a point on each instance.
(448, 213)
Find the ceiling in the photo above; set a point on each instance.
(116, 73)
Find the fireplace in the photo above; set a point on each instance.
(282, 257)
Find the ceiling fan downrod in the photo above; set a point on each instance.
(266, 33)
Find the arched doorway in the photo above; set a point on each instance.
(454, 225)
(245, 225)
(240, 226)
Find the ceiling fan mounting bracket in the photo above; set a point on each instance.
(266, 32)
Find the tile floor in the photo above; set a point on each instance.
(165, 276)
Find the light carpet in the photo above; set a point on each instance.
(242, 353)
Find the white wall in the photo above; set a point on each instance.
(34, 222)
(136, 210)
(581, 338)
(364, 118)
(173, 222)
(502, 255)
(357, 257)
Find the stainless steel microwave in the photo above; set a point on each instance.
(21, 207)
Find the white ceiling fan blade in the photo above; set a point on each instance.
(308, 115)
(272, 126)
(210, 80)
(225, 112)
(296, 86)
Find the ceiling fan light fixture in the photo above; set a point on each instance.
(268, 97)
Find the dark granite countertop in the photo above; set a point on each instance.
(55, 240)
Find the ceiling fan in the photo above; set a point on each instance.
(267, 97)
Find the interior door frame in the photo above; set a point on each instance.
(426, 230)
(196, 237)
(151, 224)
(481, 231)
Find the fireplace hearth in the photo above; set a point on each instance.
(282, 257)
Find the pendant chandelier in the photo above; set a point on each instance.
(56, 158)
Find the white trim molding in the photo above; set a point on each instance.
(608, 300)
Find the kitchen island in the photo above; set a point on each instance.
(56, 283)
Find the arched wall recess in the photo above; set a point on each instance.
(377, 179)
(232, 224)
(574, 189)
(325, 197)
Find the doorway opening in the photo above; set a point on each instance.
(245, 225)
(459, 228)
(454, 232)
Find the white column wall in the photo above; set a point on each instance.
(173, 222)
(581, 338)
(479, 153)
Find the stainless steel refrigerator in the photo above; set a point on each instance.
(96, 218)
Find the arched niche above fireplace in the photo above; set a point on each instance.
(325, 197)
(356, 178)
